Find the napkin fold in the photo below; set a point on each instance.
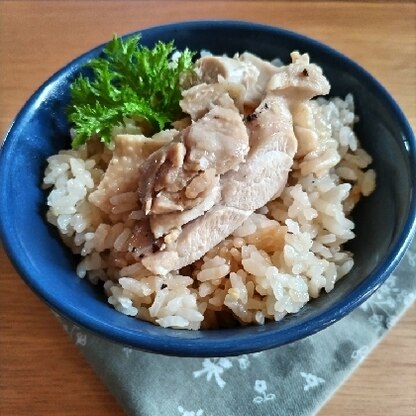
(295, 379)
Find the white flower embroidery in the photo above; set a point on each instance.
(311, 381)
(127, 351)
(73, 331)
(407, 298)
(76, 334)
(383, 303)
(390, 321)
(376, 319)
(80, 339)
(260, 386)
(243, 361)
(184, 412)
(411, 258)
(215, 367)
(361, 353)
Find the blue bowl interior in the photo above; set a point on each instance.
(384, 221)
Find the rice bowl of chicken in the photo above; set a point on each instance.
(233, 217)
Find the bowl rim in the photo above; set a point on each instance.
(212, 346)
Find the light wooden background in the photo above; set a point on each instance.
(41, 371)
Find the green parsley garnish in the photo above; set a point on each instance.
(129, 81)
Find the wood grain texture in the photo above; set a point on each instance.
(41, 371)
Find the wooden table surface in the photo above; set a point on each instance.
(41, 371)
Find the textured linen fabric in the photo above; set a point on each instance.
(296, 379)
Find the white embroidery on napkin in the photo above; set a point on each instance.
(214, 368)
(76, 334)
(361, 353)
(127, 351)
(381, 306)
(311, 380)
(184, 412)
(411, 258)
(260, 386)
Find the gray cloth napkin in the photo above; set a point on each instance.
(296, 379)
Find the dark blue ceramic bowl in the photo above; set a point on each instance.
(385, 221)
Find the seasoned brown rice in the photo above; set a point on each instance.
(283, 255)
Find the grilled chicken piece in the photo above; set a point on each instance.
(163, 224)
(181, 180)
(214, 69)
(266, 70)
(122, 174)
(221, 69)
(219, 140)
(141, 240)
(248, 71)
(299, 81)
(201, 98)
(196, 238)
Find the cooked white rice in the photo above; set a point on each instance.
(284, 254)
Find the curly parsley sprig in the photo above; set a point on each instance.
(129, 81)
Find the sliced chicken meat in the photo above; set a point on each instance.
(247, 71)
(215, 69)
(122, 174)
(256, 93)
(141, 240)
(164, 224)
(219, 140)
(299, 81)
(201, 98)
(257, 180)
(196, 238)
(181, 180)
